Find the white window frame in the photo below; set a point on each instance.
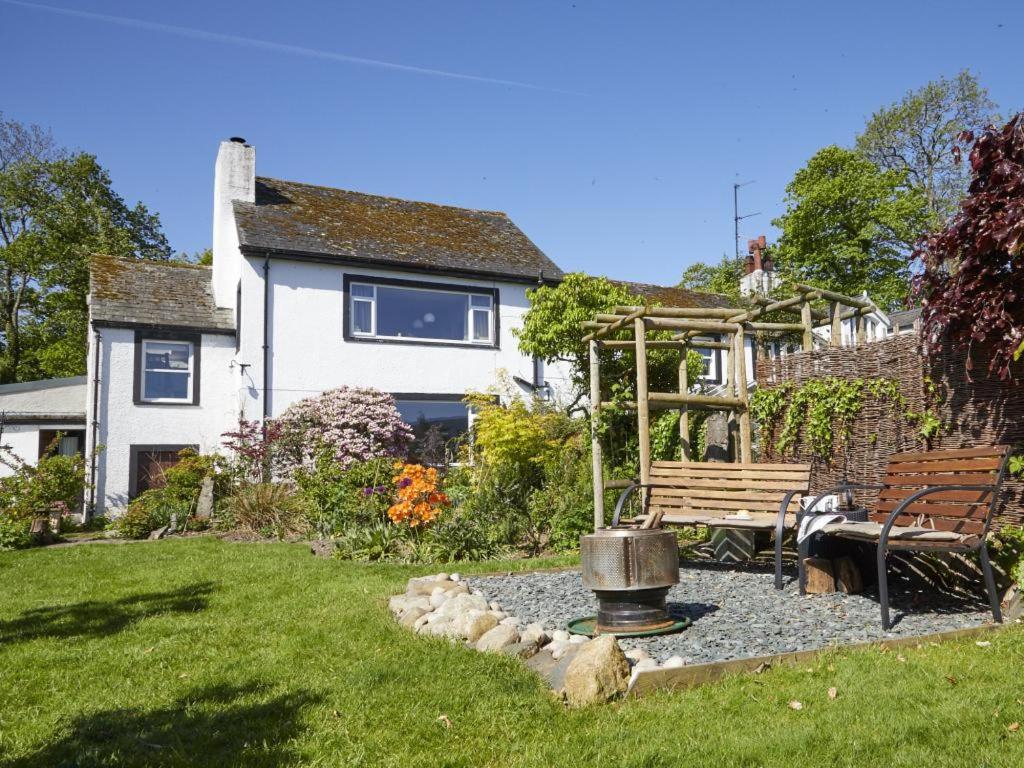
(712, 372)
(189, 373)
(469, 293)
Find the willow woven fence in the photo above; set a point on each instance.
(974, 408)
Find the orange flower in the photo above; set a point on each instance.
(417, 498)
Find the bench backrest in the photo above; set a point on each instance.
(967, 512)
(717, 489)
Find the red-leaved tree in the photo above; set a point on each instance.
(973, 279)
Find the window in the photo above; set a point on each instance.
(149, 463)
(711, 357)
(399, 311)
(435, 423)
(167, 368)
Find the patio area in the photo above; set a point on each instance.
(737, 612)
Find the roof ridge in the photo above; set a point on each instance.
(154, 262)
(384, 197)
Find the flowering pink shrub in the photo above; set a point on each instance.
(252, 449)
(354, 424)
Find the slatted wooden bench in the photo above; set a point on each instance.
(711, 493)
(939, 500)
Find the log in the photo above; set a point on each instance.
(848, 577)
(820, 580)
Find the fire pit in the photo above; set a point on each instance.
(630, 571)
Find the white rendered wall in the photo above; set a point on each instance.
(123, 424)
(234, 178)
(308, 351)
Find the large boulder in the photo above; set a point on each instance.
(399, 604)
(497, 638)
(463, 603)
(534, 633)
(472, 625)
(424, 585)
(597, 673)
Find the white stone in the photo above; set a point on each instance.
(422, 585)
(534, 633)
(674, 662)
(442, 576)
(597, 673)
(441, 626)
(421, 621)
(647, 663)
(497, 638)
(499, 615)
(511, 621)
(478, 592)
(495, 605)
(456, 577)
(411, 616)
(558, 649)
(578, 639)
(635, 654)
(473, 624)
(461, 604)
(438, 599)
(401, 603)
(560, 635)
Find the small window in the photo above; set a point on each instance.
(710, 357)
(400, 312)
(167, 371)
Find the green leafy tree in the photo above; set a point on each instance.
(850, 226)
(722, 278)
(916, 136)
(56, 209)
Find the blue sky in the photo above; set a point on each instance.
(619, 158)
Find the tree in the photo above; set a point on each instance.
(722, 278)
(916, 136)
(973, 278)
(850, 226)
(56, 210)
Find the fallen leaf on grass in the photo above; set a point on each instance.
(951, 680)
(183, 675)
(982, 643)
(764, 666)
(901, 658)
(149, 650)
(1013, 727)
(445, 721)
(796, 705)
(833, 692)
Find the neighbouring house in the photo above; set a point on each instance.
(311, 288)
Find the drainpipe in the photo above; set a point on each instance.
(91, 509)
(266, 356)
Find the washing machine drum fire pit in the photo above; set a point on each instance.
(630, 571)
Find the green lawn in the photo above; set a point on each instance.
(207, 653)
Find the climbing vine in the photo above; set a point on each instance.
(819, 409)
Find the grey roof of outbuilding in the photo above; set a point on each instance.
(296, 219)
(132, 292)
(44, 400)
(905, 316)
(674, 296)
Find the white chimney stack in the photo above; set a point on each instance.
(234, 178)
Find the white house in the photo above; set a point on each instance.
(311, 288)
(35, 414)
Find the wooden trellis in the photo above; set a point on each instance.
(687, 323)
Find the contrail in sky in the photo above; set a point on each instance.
(268, 45)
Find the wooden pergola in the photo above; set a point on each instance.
(732, 324)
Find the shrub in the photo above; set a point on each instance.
(14, 531)
(372, 542)
(55, 483)
(338, 498)
(176, 499)
(268, 509)
(354, 424)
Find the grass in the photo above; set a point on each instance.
(206, 653)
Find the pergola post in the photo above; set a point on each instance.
(684, 410)
(837, 325)
(596, 458)
(642, 402)
(808, 322)
(739, 345)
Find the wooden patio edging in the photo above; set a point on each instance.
(694, 675)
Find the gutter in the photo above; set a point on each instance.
(90, 510)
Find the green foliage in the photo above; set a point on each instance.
(850, 226)
(1007, 546)
(818, 411)
(722, 278)
(551, 327)
(268, 509)
(56, 210)
(14, 531)
(1016, 465)
(917, 134)
(339, 498)
(177, 498)
(372, 542)
(54, 484)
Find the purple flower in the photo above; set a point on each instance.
(405, 482)
(368, 491)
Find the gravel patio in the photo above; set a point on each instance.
(737, 612)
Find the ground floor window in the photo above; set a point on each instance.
(61, 442)
(439, 422)
(148, 465)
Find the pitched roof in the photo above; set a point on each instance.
(44, 400)
(671, 296)
(352, 227)
(129, 292)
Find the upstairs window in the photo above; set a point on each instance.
(166, 368)
(400, 312)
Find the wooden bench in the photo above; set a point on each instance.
(929, 501)
(711, 493)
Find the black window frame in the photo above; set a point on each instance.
(164, 334)
(468, 290)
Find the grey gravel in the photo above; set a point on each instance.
(738, 613)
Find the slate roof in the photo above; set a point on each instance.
(670, 296)
(129, 292)
(352, 227)
(44, 400)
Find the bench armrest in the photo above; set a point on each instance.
(630, 489)
(891, 520)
